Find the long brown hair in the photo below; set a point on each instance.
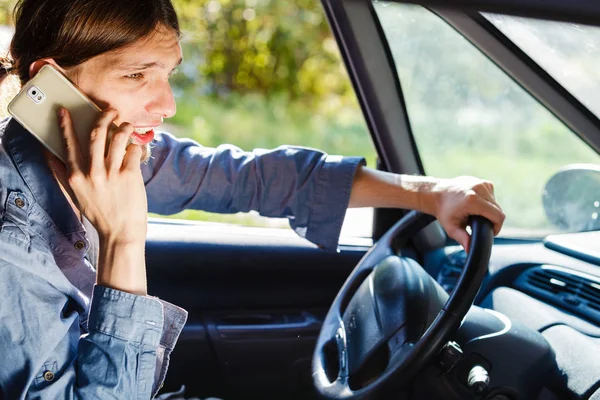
(73, 31)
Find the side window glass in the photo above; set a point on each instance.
(262, 73)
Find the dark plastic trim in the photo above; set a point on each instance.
(580, 11)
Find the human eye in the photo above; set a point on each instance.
(136, 77)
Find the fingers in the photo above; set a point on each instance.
(118, 146)
(489, 186)
(74, 159)
(98, 139)
(487, 209)
(133, 158)
(485, 190)
(461, 236)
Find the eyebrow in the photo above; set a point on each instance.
(148, 65)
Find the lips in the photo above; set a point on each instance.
(143, 136)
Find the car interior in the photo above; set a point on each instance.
(405, 313)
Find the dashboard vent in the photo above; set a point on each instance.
(552, 281)
(576, 291)
(591, 293)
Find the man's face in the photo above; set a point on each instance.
(135, 81)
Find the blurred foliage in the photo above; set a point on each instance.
(6, 11)
(264, 47)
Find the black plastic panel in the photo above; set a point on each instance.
(204, 267)
(255, 300)
(509, 259)
(583, 11)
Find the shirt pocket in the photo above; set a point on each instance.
(15, 221)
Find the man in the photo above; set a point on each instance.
(77, 321)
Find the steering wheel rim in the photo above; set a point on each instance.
(342, 322)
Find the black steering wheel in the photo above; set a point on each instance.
(391, 317)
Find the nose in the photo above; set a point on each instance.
(162, 101)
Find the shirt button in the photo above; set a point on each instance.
(19, 202)
(48, 376)
(79, 245)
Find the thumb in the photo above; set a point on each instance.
(462, 237)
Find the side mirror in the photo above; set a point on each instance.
(572, 198)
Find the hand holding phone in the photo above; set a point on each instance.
(109, 190)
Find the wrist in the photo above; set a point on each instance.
(122, 265)
(132, 238)
(428, 195)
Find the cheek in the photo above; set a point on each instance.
(106, 94)
(95, 89)
(122, 103)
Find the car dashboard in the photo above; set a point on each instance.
(551, 286)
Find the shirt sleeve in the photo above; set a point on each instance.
(307, 186)
(119, 354)
(116, 359)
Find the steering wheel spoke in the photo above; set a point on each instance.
(401, 354)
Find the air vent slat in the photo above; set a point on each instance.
(594, 306)
(571, 278)
(564, 277)
(591, 291)
(591, 299)
(546, 282)
(542, 284)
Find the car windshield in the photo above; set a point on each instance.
(569, 52)
(468, 117)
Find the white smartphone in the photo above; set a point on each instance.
(37, 104)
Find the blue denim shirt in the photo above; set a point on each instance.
(62, 336)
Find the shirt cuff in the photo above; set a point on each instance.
(332, 195)
(126, 316)
(175, 319)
